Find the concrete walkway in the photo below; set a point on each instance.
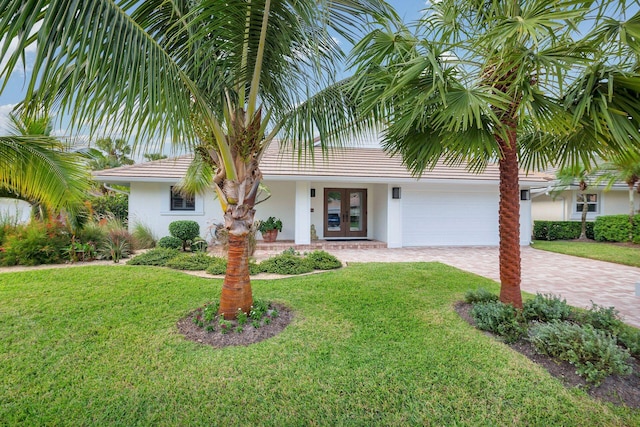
(579, 280)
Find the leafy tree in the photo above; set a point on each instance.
(225, 77)
(35, 167)
(110, 153)
(478, 80)
(150, 157)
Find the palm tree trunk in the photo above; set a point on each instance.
(236, 289)
(632, 206)
(509, 222)
(585, 210)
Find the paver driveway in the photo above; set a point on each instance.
(578, 280)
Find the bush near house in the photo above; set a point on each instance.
(615, 228)
(111, 205)
(184, 230)
(170, 242)
(560, 230)
(35, 243)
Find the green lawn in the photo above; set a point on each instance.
(371, 344)
(593, 250)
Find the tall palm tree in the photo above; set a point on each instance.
(35, 167)
(225, 77)
(480, 81)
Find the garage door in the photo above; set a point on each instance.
(449, 218)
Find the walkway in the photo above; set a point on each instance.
(580, 281)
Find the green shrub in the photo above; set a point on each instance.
(254, 268)
(193, 262)
(615, 228)
(185, 230)
(593, 352)
(629, 338)
(322, 260)
(155, 256)
(603, 318)
(479, 295)
(93, 233)
(217, 266)
(170, 242)
(36, 243)
(560, 230)
(546, 308)
(286, 264)
(117, 245)
(143, 237)
(111, 205)
(199, 245)
(501, 319)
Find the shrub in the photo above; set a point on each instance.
(615, 228)
(143, 237)
(217, 266)
(560, 230)
(479, 295)
(321, 260)
(193, 262)
(199, 245)
(185, 230)
(546, 308)
(170, 242)
(117, 245)
(156, 256)
(629, 338)
(254, 268)
(593, 352)
(36, 243)
(501, 319)
(111, 205)
(92, 233)
(286, 264)
(604, 318)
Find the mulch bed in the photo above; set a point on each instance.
(248, 336)
(615, 389)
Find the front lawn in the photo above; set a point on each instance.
(371, 344)
(626, 255)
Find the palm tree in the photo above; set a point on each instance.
(585, 176)
(224, 77)
(479, 81)
(34, 167)
(110, 153)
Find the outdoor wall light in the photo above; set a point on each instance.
(313, 192)
(395, 193)
(525, 195)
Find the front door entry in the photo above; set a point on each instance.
(345, 212)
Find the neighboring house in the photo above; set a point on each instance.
(357, 193)
(567, 205)
(14, 211)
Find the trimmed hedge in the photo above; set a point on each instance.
(615, 228)
(560, 230)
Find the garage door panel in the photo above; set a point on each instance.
(449, 219)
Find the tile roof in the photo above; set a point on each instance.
(363, 164)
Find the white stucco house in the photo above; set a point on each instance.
(356, 193)
(567, 205)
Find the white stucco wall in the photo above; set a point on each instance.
(281, 205)
(13, 210)
(562, 207)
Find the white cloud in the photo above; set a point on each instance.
(4, 118)
(13, 45)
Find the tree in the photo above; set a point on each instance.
(150, 157)
(478, 80)
(223, 77)
(624, 167)
(34, 167)
(110, 153)
(567, 176)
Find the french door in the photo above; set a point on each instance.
(345, 212)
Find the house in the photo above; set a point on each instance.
(566, 205)
(355, 193)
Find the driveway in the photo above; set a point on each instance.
(579, 280)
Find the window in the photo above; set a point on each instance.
(179, 202)
(592, 203)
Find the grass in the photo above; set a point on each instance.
(371, 344)
(625, 255)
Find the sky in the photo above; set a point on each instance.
(14, 91)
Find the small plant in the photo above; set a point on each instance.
(593, 352)
(629, 338)
(116, 245)
(157, 256)
(546, 308)
(501, 319)
(286, 264)
(143, 237)
(225, 325)
(291, 251)
(479, 295)
(604, 318)
(271, 223)
(192, 262)
(170, 242)
(184, 230)
(322, 260)
(199, 245)
(241, 317)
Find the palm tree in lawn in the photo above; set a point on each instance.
(34, 167)
(624, 167)
(224, 77)
(478, 81)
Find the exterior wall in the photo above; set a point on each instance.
(15, 210)
(282, 205)
(617, 202)
(380, 212)
(562, 208)
(149, 204)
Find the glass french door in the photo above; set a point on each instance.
(345, 212)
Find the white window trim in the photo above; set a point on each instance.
(577, 214)
(166, 206)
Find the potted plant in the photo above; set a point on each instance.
(269, 228)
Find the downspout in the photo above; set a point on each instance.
(115, 190)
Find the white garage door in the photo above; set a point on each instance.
(449, 218)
